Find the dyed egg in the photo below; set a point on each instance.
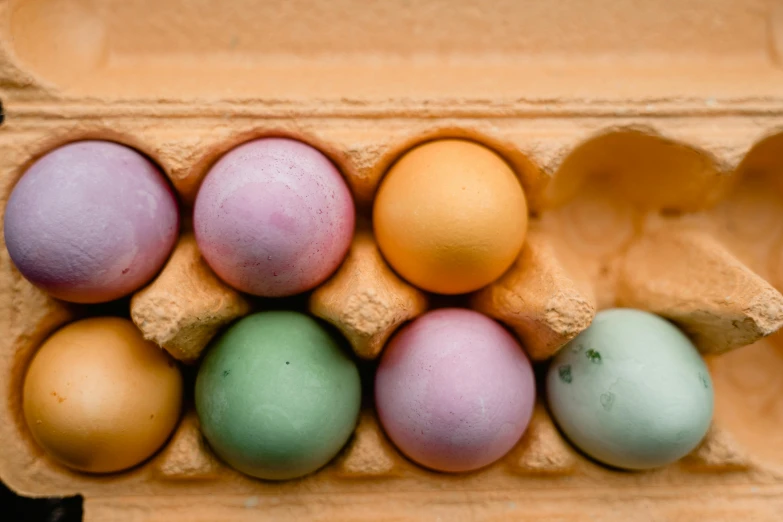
(631, 391)
(454, 390)
(450, 216)
(276, 395)
(99, 398)
(274, 217)
(90, 222)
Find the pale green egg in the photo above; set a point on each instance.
(277, 396)
(631, 391)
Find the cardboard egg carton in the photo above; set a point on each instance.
(648, 137)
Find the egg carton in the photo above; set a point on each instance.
(648, 137)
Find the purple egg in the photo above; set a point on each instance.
(90, 222)
(454, 390)
(274, 217)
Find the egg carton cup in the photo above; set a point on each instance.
(648, 137)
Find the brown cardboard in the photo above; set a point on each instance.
(648, 137)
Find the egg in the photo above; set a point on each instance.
(631, 391)
(450, 216)
(454, 391)
(90, 222)
(274, 217)
(99, 398)
(277, 396)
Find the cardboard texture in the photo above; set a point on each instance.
(648, 137)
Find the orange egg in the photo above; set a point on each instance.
(99, 398)
(450, 216)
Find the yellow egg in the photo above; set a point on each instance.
(99, 398)
(450, 216)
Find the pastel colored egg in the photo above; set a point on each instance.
(274, 217)
(454, 390)
(277, 396)
(631, 391)
(91, 221)
(99, 398)
(450, 216)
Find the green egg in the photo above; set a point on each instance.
(631, 391)
(277, 396)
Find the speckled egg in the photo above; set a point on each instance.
(99, 398)
(454, 390)
(274, 217)
(631, 391)
(277, 396)
(91, 221)
(450, 216)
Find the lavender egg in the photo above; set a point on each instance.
(454, 390)
(90, 222)
(274, 217)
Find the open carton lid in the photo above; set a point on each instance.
(506, 56)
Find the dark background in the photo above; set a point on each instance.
(14, 508)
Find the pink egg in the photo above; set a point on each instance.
(454, 390)
(91, 221)
(274, 217)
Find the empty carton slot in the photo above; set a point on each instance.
(748, 389)
(750, 218)
(598, 198)
(588, 235)
(649, 172)
(181, 49)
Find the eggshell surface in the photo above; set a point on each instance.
(631, 391)
(277, 396)
(99, 398)
(91, 221)
(274, 217)
(450, 216)
(454, 390)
